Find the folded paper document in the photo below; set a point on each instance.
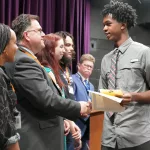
(104, 102)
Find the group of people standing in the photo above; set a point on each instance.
(36, 66)
(52, 103)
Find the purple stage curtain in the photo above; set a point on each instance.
(55, 15)
(80, 27)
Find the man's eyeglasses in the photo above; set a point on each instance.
(36, 30)
(87, 66)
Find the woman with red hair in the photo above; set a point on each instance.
(49, 57)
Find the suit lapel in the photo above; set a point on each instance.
(81, 83)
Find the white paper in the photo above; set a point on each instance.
(105, 102)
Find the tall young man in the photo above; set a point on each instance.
(127, 67)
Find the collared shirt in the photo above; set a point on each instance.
(26, 49)
(87, 87)
(82, 78)
(132, 126)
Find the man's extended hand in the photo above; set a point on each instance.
(85, 108)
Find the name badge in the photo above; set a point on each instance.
(18, 121)
(70, 88)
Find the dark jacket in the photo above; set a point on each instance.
(40, 104)
(63, 78)
(81, 94)
(7, 107)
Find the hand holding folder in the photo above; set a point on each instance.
(107, 102)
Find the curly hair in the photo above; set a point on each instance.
(122, 12)
(5, 35)
(21, 23)
(64, 34)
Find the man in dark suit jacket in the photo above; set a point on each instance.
(39, 101)
(81, 87)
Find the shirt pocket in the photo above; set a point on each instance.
(130, 76)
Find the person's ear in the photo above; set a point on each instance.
(26, 35)
(4, 54)
(78, 66)
(123, 26)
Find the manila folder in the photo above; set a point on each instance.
(105, 102)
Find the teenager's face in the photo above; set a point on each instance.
(112, 28)
(11, 48)
(59, 50)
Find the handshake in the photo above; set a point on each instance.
(86, 108)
